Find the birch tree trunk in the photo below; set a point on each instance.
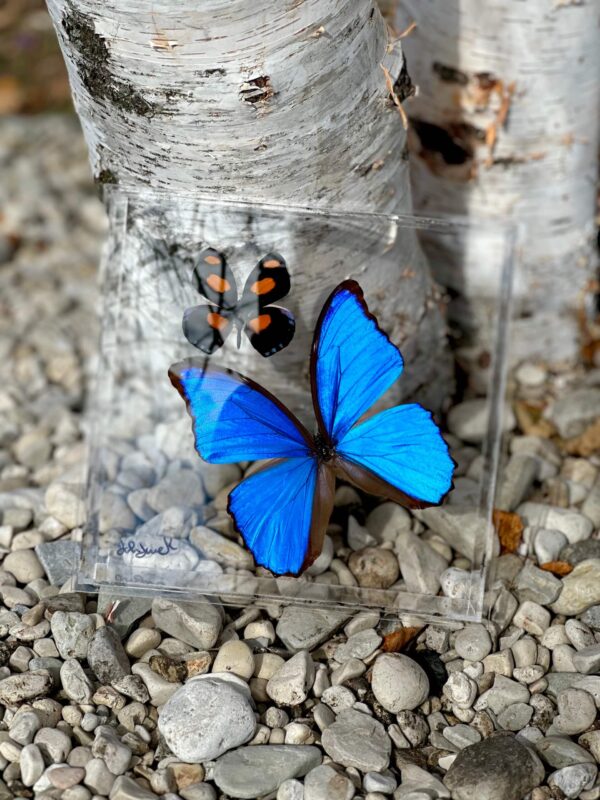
(281, 102)
(505, 124)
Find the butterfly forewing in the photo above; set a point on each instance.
(214, 280)
(352, 362)
(268, 282)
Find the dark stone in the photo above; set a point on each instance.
(580, 551)
(69, 601)
(124, 611)
(106, 656)
(591, 617)
(497, 768)
(434, 667)
(168, 668)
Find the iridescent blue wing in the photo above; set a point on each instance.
(234, 418)
(277, 509)
(399, 454)
(352, 362)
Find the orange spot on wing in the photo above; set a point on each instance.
(271, 263)
(216, 321)
(263, 286)
(212, 259)
(218, 284)
(260, 323)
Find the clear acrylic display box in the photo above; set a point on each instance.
(151, 499)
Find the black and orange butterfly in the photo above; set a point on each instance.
(269, 328)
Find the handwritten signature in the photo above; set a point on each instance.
(141, 550)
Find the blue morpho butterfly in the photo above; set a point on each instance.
(282, 510)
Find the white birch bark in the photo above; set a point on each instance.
(505, 124)
(280, 102)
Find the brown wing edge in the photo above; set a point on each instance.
(175, 371)
(368, 481)
(354, 287)
(321, 512)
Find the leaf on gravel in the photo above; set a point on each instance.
(397, 640)
(509, 527)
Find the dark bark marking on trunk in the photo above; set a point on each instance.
(450, 74)
(94, 66)
(403, 86)
(106, 176)
(257, 90)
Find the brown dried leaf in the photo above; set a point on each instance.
(11, 95)
(509, 527)
(396, 640)
(558, 568)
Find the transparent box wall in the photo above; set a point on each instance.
(157, 518)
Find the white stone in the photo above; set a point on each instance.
(573, 780)
(580, 635)
(581, 588)
(575, 526)
(473, 643)
(398, 682)
(532, 617)
(218, 548)
(357, 740)
(32, 764)
(548, 545)
(576, 711)
(469, 420)
(24, 565)
(326, 783)
(291, 683)
(235, 656)
(205, 718)
(198, 623)
(64, 502)
(460, 689)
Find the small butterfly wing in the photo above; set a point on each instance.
(352, 362)
(268, 282)
(214, 280)
(399, 454)
(277, 509)
(270, 330)
(206, 327)
(234, 418)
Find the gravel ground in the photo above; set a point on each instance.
(198, 701)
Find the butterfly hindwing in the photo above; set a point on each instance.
(206, 327)
(235, 419)
(352, 362)
(270, 330)
(400, 454)
(214, 280)
(273, 511)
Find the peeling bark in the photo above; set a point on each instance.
(272, 102)
(506, 125)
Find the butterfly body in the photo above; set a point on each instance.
(283, 509)
(268, 327)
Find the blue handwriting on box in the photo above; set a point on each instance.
(140, 550)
